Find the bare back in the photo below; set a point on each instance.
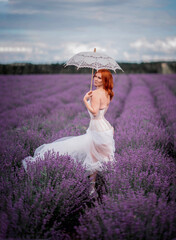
(104, 98)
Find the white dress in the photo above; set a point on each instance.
(92, 149)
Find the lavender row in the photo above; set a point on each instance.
(166, 103)
(171, 83)
(168, 79)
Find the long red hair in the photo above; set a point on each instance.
(107, 81)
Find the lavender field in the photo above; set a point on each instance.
(137, 197)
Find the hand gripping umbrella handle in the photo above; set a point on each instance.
(92, 74)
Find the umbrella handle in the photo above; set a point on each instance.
(92, 74)
(91, 80)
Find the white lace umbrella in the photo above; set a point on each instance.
(93, 60)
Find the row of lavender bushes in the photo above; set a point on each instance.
(169, 80)
(46, 201)
(165, 101)
(141, 198)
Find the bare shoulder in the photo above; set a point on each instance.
(95, 97)
(96, 92)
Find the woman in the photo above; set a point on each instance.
(97, 145)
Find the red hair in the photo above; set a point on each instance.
(107, 81)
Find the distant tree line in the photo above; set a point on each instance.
(29, 68)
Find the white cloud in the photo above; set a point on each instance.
(23, 47)
(15, 49)
(71, 48)
(140, 57)
(166, 46)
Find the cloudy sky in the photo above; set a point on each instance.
(45, 31)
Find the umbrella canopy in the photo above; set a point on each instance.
(93, 60)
